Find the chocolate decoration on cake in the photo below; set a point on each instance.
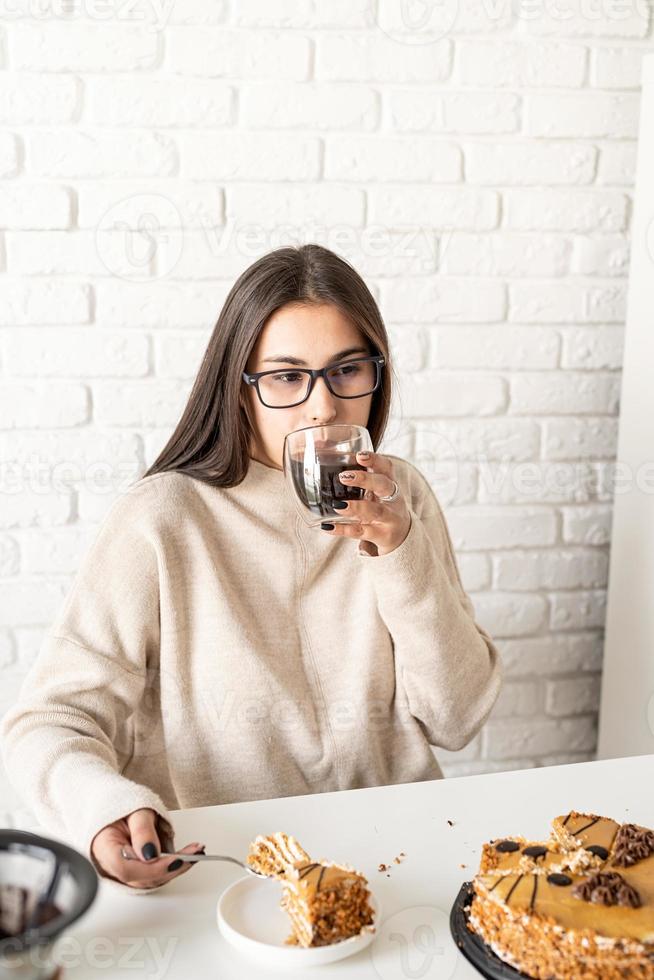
(535, 851)
(598, 851)
(559, 879)
(513, 887)
(505, 846)
(607, 888)
(632, 844)
(307, 869)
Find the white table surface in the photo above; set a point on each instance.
(172, 932)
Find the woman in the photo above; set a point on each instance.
(214, 648)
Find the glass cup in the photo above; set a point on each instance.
(312, 459)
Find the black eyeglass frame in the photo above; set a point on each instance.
(315, 373)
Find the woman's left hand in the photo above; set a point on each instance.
(385, 525)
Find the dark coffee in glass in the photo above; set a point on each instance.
(328, 486)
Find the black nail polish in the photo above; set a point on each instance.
(327, 527)
(149, 851)
(340, 504)
(175, 866)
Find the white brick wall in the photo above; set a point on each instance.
(478, 171)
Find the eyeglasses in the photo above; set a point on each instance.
(348, 379)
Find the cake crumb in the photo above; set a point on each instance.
(450, 823)
(382, 867)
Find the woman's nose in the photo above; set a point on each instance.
(321, 403)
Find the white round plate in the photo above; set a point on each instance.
(249, 917)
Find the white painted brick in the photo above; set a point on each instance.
(197, 12)
(529, 163)
(179, 355)
(221, 53)
(59, 552)
(39, 405)
(507, 738)
(556, 569)
(566, 302)
(505, 254)
(296, 209)
(71, 47)
(30, 601)
(174, 203)
(426, 28)
(565, 210)
(75, 353)
(456, 208)
(587, 525)
(607, 255)
(9, 165)
(578, 18)
(438, 394)
(378, 252)
(76, 253)
(425, 110)
(579, 438)
(477, 527)
(501, 63)
(599, 347)
(520, 348)
(556, 653)
(475, 571)
(34, 205)
(158, 304)
(566, 758)
(481, 766)
(33, 508)
(616, 67)
(390, 158)
(504, 439)
(425, 300)
(508, 614)
(589, 114)
(564, 393)
(99, 153)
(249, 156)
(7, 649)
(375, 57)
(537, 481)
(312, 106)
(304, 13)
(9, 565)
(617, 164)
(43, 302)
(573, 696)
(59, 459)
(577, 610)
(408, 347)
(139, 404)
(158, 101)
(519, 699)
(29, 99)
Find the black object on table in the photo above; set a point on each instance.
(472, 946)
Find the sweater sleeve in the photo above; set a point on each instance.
(67, 739)
(449, 666)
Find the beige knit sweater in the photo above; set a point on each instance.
(214, 649)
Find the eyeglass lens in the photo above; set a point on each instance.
(349, 380)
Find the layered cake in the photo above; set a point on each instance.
(578, 906)
(326, 902)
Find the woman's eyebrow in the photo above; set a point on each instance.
(288, 359)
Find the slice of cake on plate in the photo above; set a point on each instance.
(579, 906)
(326, 902)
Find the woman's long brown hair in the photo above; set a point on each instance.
(211, 441)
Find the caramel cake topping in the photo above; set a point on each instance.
(582, 910)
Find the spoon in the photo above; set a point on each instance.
(201, 857)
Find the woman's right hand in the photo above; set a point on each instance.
(137, 833)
